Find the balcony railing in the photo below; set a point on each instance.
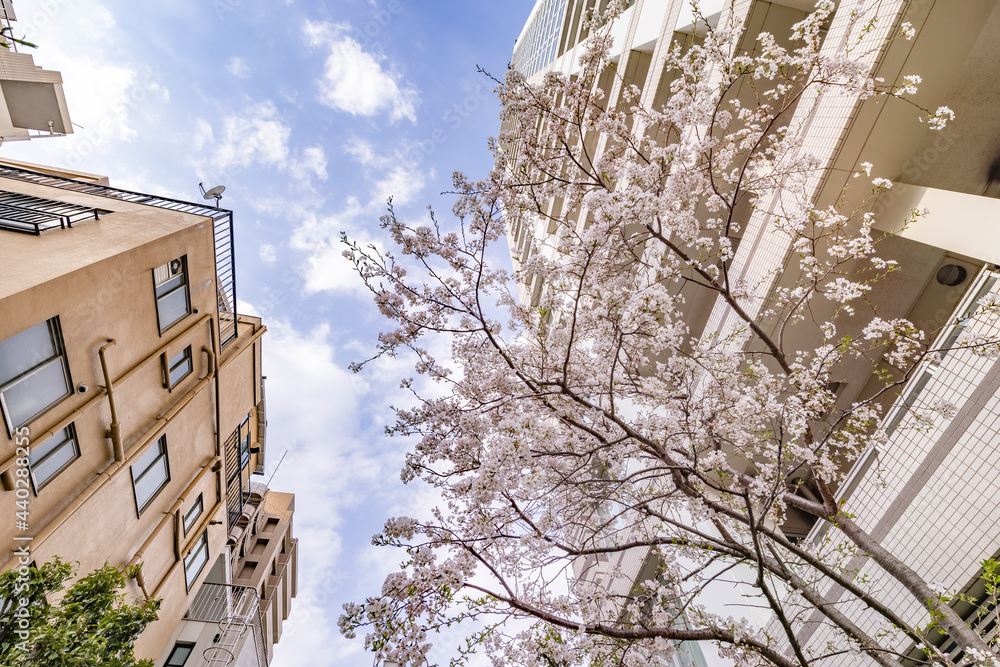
(225, 259)
(237, 610)
(910, 395)
(236, 496)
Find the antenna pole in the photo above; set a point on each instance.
(276, 469)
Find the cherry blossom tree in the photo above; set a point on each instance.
(589, 421)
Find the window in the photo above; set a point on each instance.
(34, 375)
(179, 655)
(52, 456)
(177, 368)
(195, 561)
(192, 514)
(172, 302)
(150, 473)
(245, 442)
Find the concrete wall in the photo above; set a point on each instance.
(267, 560)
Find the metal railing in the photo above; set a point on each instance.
(910, 394)
(7, 16)
(984, 619)
(33, 215)
(235, 497)
(261, 427)
(237, 610)
(225, 258)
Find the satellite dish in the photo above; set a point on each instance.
(213, 193)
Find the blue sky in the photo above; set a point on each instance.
(311, 114)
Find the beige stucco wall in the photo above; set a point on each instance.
(268, 562)
(239, 376)
(97, 278)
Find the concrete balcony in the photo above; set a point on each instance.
(32, 103)
(236, 611)
(961, 223)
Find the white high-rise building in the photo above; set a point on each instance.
(928, 496)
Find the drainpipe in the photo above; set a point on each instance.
(173, 515)
(116, 467)
(114, 433)
(189, 541)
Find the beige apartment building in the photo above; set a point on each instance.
(931, 497)
(139, 388)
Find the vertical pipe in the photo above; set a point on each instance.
(114, 433)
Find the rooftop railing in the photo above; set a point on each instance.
(225, 259)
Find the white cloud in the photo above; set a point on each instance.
(100, 96)
(402, 183)
(394, 174)
(354, 81)
(257, 135)
(360, 150)
(317, 413)
(267, 253)
(325, 267)
(105, 90)
(202, 134)
(238, 67)
(312, 160)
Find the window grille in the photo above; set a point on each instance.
(33, 215)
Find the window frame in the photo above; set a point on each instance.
(168, 366)
(55, 337)
(203, 540)
(185, 285)
(70, 439)
(189, 520)
(190, 646)
(244, 439)
(161, 443)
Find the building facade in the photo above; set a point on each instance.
(32, 103)
(924, 493)
(139, 390)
